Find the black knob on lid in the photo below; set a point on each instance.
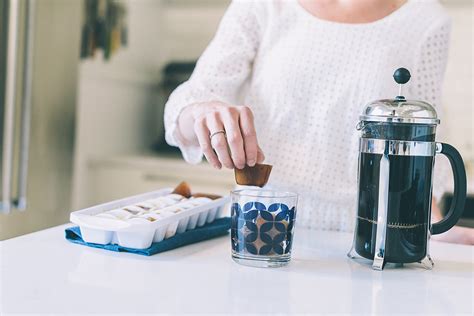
(401, 75)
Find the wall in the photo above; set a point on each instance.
(116, 98)
(189, 26)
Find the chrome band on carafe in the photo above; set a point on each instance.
(397, 147)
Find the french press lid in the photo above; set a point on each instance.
(400, 110)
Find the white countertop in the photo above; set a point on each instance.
(44, 273)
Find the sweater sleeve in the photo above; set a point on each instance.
(428, 76)
(221, 72)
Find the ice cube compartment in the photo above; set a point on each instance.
(137, 221)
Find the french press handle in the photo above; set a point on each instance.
(459, 197)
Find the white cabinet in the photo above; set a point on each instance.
(113, 178)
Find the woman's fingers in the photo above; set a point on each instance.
(218, 141)
(236, 147)
(230, 118)
(249, 135)
(202, 133)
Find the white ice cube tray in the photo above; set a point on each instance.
(141, 234)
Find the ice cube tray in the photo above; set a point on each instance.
(140, 234)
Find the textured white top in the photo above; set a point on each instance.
(307, 81)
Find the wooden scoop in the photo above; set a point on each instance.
(257, 175)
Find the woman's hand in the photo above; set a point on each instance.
(226, 133)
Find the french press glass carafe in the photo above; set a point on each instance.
(396, 159)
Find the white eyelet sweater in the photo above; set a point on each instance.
(307, 81)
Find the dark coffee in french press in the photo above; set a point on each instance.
(396, 160)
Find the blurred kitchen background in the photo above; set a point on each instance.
(83, 91)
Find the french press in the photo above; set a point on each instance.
(397, 150)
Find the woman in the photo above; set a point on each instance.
(287, 80)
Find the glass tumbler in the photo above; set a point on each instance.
(262, 227)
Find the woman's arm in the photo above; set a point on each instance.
(210, 100)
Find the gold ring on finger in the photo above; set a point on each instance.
(216, 133)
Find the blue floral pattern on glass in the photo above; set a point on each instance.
(260, 230)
